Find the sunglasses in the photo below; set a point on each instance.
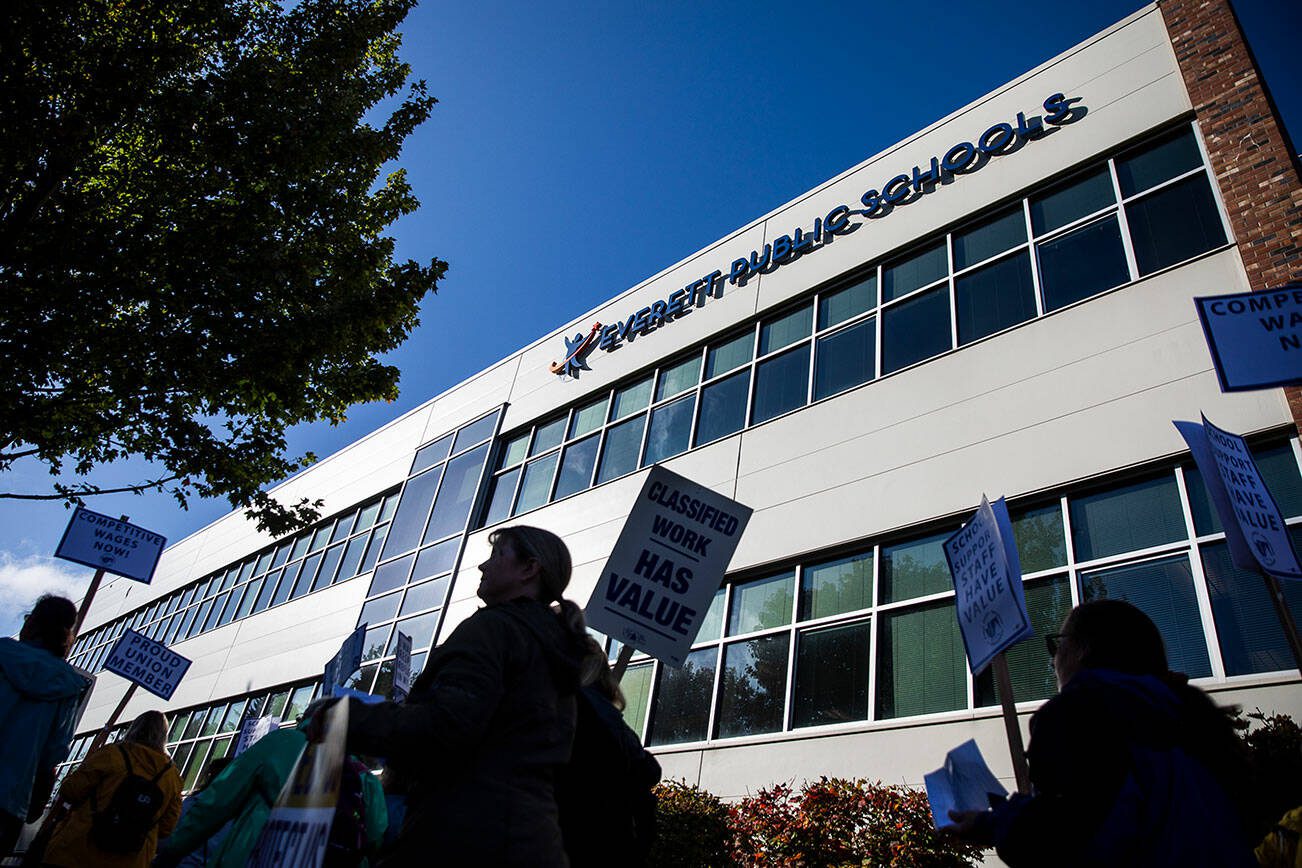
(1052, 641)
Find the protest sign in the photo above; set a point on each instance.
(150, 664)
(963, 783)
(110, 544)
(346, 661)
(401, 668)
(1255, 338)
(1254, 526)
(666, 566)
(252, 731)
(298, 828)
(987, 585)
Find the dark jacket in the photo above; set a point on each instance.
(478, 741)
(1122, 768)
(39, 694)
(604, 792)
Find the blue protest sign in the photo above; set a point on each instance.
(987, 585)
(347, 660)
(150, 664)
(1254, 526)
(111, 545)
(1255, 337)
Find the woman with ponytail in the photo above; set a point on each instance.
(490, 720)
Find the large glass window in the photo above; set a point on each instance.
(833, 587)
(1079, 197)
(456, 494)
(1174, 224)
(1126, 518)
(845, 359)
(781, 384)
(761, 604)
(682, 708)
(576, 468)
(729, 355)
(994, 297)
(753, 686)
(671, 430)
(784, 330)
(921, 666)
(1084, 262)
(723, 407)
(915, 568)
(619, 454)
(1248, 628)
(915, 329)
(989, 237)
(537, 484)
(832, 675)
(839, 305)
(914, 271)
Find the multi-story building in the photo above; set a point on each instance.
(999, 304)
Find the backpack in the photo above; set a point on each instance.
(347, 845)
(131, 813)
(604, 792)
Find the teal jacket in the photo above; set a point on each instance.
(243, 795)
(39, 695)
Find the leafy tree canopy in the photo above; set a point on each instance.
(192, 247)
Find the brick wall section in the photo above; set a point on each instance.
(1251, 154)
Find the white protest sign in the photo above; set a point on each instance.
(988, 584)
(252, 731)
(111, 545)
(401, 668)
(298, 828)
(1255, 337)
(666, 565)
(347, 660)
(1254, 527)
(150, 664)
(963, 783)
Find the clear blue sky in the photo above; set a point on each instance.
(579, 148)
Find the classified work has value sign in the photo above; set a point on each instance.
(111, 545)
(150, 664)
(988, 584)
(666, 566)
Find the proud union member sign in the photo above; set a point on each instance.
(150, 664)
(666, 566)
(111, 545)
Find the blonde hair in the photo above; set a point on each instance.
(149, 729)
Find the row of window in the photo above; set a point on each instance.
(197, 736)
(333, 551)
(1145, 209)
(872, 635)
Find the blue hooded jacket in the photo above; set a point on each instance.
(39, 695)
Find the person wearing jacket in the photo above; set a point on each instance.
(90, 788)
(39, 695)
(1130, 765)
(490, 719)
(243, 796)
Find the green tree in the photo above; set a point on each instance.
(192, 247)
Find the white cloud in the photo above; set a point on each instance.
(24, 579)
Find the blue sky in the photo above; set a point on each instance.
(579, 148)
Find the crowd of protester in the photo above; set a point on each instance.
(511, 750)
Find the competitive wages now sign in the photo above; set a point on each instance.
(668, 562)
(111, 544)
(150, 664)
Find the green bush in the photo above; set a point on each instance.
(1274, 746)
(692, 828)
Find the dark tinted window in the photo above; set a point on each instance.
(1084, 262)
(915, 330)
(845, 359)
(1174, 224)
(994, 297)
(781, 384)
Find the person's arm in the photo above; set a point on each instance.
(449, 717)
(172, 811)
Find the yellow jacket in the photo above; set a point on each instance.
(1280, 848)
(92, 784)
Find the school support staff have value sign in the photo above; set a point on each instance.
(668, 562)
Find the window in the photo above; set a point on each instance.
(844, 304)
(682, 709)
(753, 686)
(431, 454)
(1029, 667)
(548, 436)
(845, 359)
(576, 468)
(760, 604)
(832, 675)
(537, 484)
(729, 355)
(1164, 590)
(631, 399)
(679, 377)
(1247, 627)
(989, 237)
(1129, 517)
(723, 407)
(994, 297)
(1080, 197)
(781, 384)
(915, 568)
(921, 664)
(623, 443)
(1175, 223)
(834, 587)
(784, 330)
(914, 271)
(915, 329)
(671, 430)
(588, 417)
(1082, 263)
(460, 481)
(500, 496)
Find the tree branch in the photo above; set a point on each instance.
(89, 491)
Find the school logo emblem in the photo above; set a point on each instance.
(576, 353)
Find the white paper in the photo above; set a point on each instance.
(963, 783)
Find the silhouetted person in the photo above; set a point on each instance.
(489, 720)
(39, 695)
(1130, 765)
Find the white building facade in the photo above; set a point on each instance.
(998, 304)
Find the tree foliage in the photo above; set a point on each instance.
(192, 247)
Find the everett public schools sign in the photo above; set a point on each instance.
(666, 566)
(964, 158)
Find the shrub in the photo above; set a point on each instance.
(1274, 747)
(691, 828)
(839, 822)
